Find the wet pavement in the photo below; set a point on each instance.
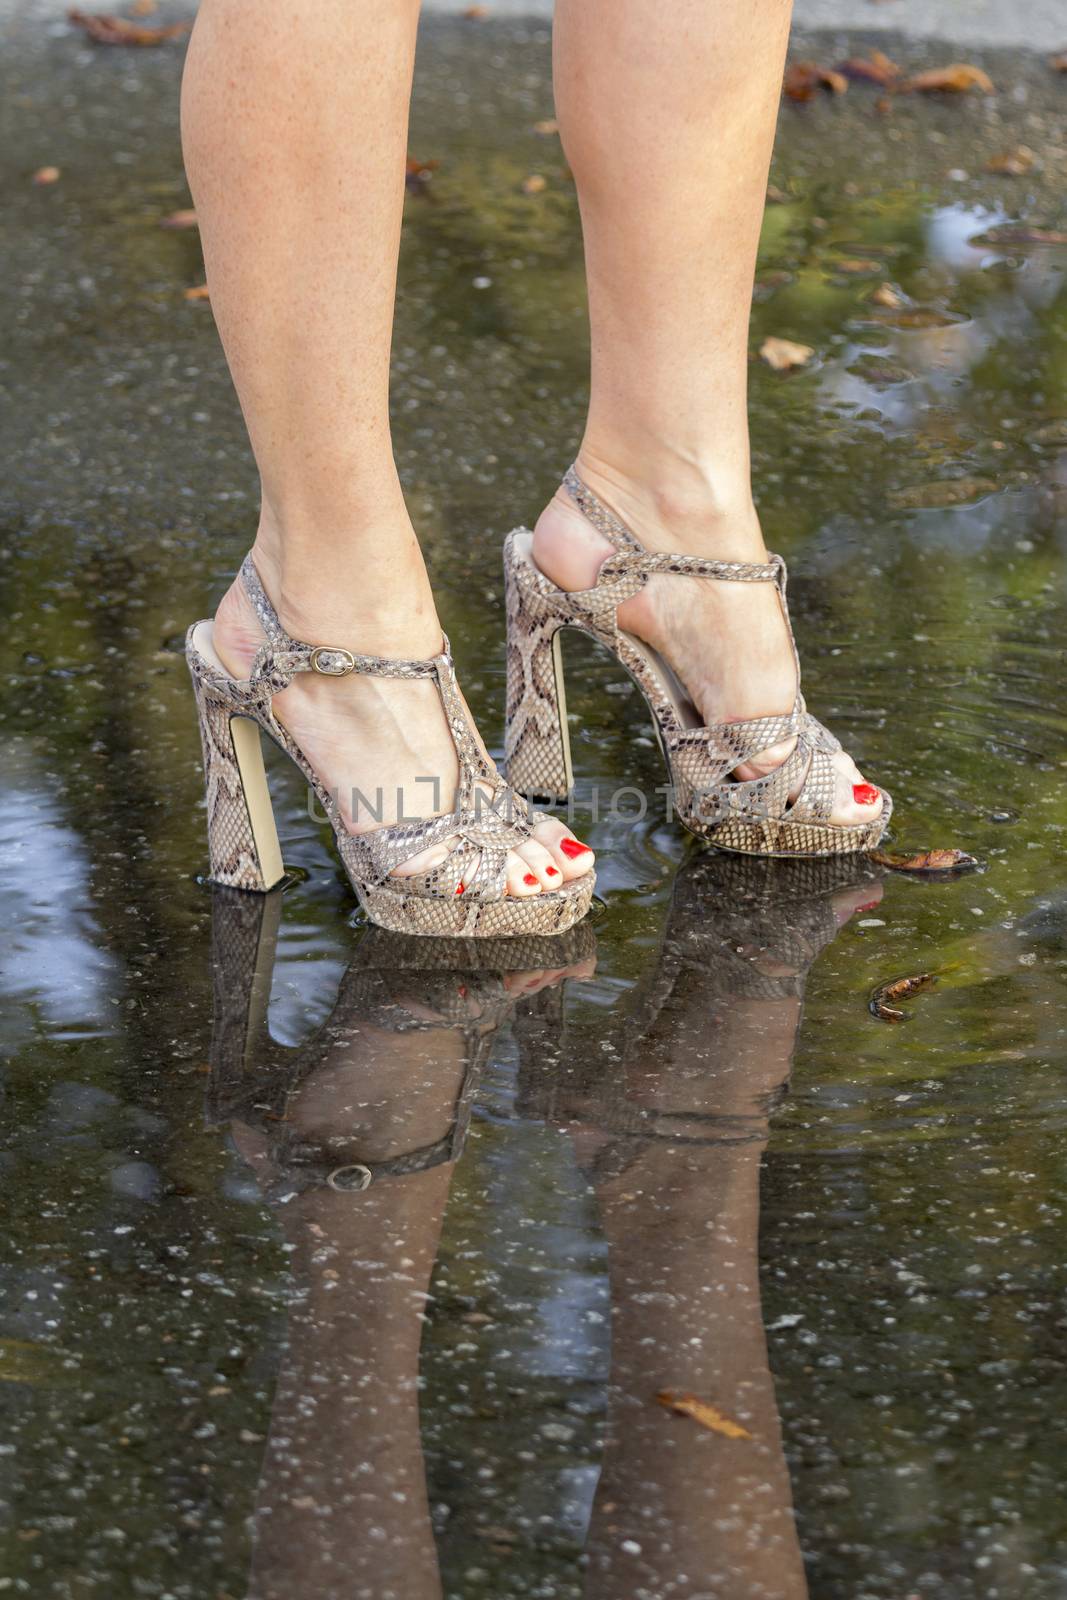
(624, 1165)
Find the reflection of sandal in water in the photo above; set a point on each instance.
(449, 985)
(465, 895)
(754, 817)
(738, 930)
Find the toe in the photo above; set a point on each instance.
(425, 861)
(856, 801)
(539, 863)
(522, 880)
(571, 857)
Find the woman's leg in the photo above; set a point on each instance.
(294, 124)
(668, 119)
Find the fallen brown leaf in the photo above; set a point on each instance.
(776, 196)
(881, 1001)
(886, 295)
(46, 175)
(923, 860)
(856, 264)
(709, 1416)
(921, 317)
(1058, 63)
(875, 67)
(804, 79)
(783, 354)
(1012, 163)
(200, 292)
(179, 219)
(103, 28)
(534, 184)
(476, 13)
(1019, 233)
(956, 78)
(546, 126)
(940, 495)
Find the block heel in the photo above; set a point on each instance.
(242, 836)
(537, 746)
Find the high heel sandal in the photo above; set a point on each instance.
(465, 895)
(754, 817)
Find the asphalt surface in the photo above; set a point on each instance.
(1039, 24)
(1036, 24)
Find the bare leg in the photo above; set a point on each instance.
(668, 120)
(294, 125)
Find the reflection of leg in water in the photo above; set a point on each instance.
(380, 1096)
(672, 1135)
(680, 1510)
(342, 1509)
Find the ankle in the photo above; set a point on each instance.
(673, 500)
(368, 592)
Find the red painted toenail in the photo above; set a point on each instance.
(553, 872)
(529, 878)
(865, 794)
(573, 847)
(461, 888)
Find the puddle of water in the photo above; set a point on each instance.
(629, 1164)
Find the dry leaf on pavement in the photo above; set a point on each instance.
(923, 860)
(103, 28)
(200, 292)
(709, 1416)
(941, 494)
(881, 1000)
(1019, 233)
(1013, 163)
(956, 78)
(804, 79)
(784, 354)
(886, 295)
(875, 67)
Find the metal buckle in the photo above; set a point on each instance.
(323, 653)
(349, 1180)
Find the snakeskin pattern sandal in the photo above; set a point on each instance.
(465, 895)
(754, 817)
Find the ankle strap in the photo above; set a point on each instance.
(603, 520)
(283, 655)
(634, 558)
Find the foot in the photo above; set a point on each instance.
(726, 642)
(371, 740)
